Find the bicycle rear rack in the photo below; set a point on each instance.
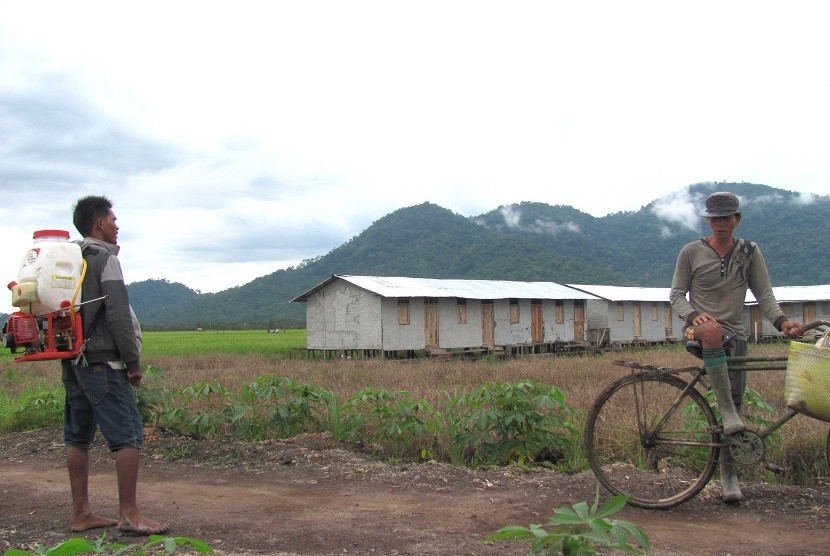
(647, 367)
(749, 363)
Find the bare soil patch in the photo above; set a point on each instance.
(309, 495)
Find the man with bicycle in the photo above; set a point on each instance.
(716, 272)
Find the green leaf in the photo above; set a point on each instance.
(566, 519)
(612, 506)
(635, 532)
(71, 547)
(511, 532)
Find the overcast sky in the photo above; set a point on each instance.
(238, 138)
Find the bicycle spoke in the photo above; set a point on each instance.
(651, 439)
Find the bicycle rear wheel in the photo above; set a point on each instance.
(653, 440)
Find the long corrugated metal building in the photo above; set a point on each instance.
(398, 316)
(627, 315)
(801, 303)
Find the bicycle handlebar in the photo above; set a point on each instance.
(815, 324)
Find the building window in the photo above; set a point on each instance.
(403, 311)
(620, 310)
(559, 307)
(655, 311)
(461, 308)
(514, 311)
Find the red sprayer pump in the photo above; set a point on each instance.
(48, 287)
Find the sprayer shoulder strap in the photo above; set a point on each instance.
(86, 250)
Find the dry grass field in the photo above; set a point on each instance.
(436, 380)
(310, 495)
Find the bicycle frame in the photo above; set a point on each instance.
(750, 363)
(745, 363)
(655, 438)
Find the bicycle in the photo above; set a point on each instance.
(653, 437)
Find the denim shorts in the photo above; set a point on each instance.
(100, 396)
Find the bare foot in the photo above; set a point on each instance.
(91, 522)
(145, 526)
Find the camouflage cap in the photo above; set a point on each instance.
(721, 203)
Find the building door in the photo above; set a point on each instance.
(809, 312)
(755, 324)
(667, 315)
(488, 325)
(637, 321)
(431, 323)
(579, 320)
(537, 323)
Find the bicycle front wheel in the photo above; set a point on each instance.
(652, 438)
(827, 448)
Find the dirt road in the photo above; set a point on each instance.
(310, 496)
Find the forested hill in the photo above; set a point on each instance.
(527, 241)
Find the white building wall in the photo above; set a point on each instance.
(451, 333)
(560, 331)
(620, 330)
(651, 330)
(398, 336)
(653, 320)
(596, 313)
(508, 333)
(343, 316)
(796, 313)
(455, 335)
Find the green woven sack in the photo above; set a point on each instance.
(807, 385)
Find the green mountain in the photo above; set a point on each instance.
(643, 247)
(527, 241)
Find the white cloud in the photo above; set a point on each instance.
(512, 215)
(680, 207)
(236, 139)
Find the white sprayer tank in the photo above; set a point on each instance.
(49, 274)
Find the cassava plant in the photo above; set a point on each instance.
(578, 529)
(392, 420)
(501, 423)
(278, 406)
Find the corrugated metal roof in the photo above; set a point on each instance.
(466, 289)
(789, 294)
(625, 293)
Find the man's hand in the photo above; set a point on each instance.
(791, 328)
(701, 318)
(134, 377)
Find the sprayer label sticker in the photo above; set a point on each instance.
(31, 257)
(60, 281)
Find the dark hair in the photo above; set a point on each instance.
(87, 211)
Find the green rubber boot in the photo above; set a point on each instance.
(716, 369)
(731, 490)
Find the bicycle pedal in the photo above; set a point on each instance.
(777, 469)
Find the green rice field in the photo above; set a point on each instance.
(207, 342)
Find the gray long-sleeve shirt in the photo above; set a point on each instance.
(718, 286)
(116, 335)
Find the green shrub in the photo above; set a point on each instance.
(36, 407)
(200, 409)
(154, 400)
(396, 424)
(501, 423)
(278, 406)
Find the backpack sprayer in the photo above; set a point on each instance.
(48, 324)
